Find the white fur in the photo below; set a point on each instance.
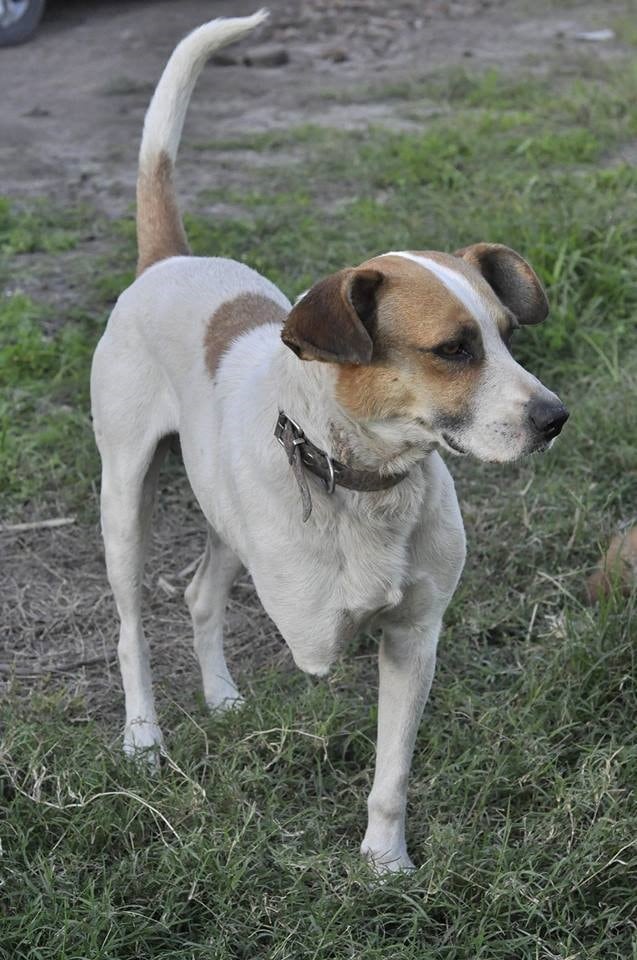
(165, 116)
(453, 281)
(388, 560)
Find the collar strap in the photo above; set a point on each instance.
(303, 454)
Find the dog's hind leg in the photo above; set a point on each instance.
(206, 596)
(128, 491)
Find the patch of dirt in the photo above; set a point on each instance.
(625, 154)
(73, 105)
(58, 623)
(74, 98)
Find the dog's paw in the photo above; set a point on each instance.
(143, 742)
(387, 861)
(224, 701)
(221, 694)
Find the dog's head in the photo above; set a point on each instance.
(423, 339)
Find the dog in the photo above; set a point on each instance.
(311, 436)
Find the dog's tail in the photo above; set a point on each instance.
(160, 230)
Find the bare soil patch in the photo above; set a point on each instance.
(73, 106)
(74, 98)
(59, 623)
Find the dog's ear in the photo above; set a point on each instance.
(335, 320)
(513, 281)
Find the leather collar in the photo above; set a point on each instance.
(303, 455)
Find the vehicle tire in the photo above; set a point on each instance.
(18, 20)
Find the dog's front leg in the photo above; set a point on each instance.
(406, 667)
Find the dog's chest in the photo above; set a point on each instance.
(337, 573)
(323, 580)
(323, 590)
(370, 564)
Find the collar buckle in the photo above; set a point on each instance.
(304, 455)
(282, 422)
(330, 481)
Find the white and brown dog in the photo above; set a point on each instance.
(411, 357)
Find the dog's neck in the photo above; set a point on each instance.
(306, 392)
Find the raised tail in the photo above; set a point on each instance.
(160, 229)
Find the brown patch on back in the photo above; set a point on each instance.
(160, 231)
(415, 312)
(234, 318)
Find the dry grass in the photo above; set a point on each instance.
(59, 626)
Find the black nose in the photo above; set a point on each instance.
(548, 417)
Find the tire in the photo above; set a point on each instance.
(21, 18)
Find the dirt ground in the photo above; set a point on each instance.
(74, 98)
(72, 110)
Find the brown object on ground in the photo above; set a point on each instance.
(618, 567)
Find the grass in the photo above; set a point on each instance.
(44, 425)
(522, 813)
(39, 228)
(522, 804)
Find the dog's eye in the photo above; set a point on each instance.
(453, 350)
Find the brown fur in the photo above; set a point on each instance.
(415, 312)
(511, 278)
(335, 320)
(234, 317)
(618, 567)
(160, 231)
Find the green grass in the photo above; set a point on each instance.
(38, 228)
(522, 804)
(45, 443)
(522, 811)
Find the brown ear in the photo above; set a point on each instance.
(513, 281)
(335, 319)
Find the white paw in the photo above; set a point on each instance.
(387, 861)
(221, 694)
(225, 700)
(143, 741)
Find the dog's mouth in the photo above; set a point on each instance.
(454, 445)
(541, 446)
(536, 447)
